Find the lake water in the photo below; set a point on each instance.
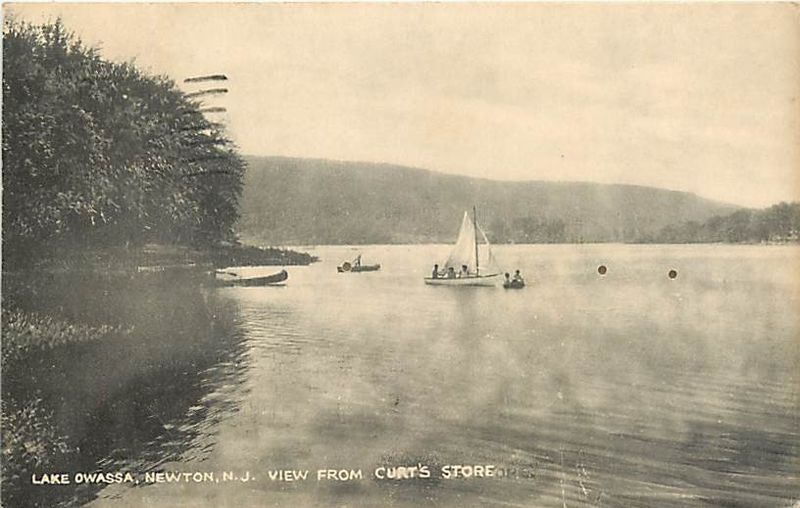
(628, 389)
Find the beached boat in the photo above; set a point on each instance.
(469, 263)
(234, 279)
(356, 266)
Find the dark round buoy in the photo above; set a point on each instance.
(672, 274)
(602, 269)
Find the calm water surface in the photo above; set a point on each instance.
(628, 389)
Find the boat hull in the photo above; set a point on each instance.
(357, 269)
(481, 280)
(514, 284)
(267, 280)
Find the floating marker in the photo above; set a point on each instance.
(602, 269)
(672, 274)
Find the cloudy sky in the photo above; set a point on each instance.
(695, 97)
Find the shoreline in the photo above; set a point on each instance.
(151, 258)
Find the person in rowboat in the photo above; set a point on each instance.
(518, 277)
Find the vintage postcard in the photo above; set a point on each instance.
(400, 254)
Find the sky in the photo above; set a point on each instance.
(693, 97)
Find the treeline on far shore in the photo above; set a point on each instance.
(777, 224)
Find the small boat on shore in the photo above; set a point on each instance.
(468, 264)
(356, 266)
(266, 280)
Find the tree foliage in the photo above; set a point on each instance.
(97, 153)
(779, 223)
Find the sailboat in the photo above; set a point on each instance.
(469, 263)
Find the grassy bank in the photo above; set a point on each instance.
(93, 363)
(31, 442)
(26, 333)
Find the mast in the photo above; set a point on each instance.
(475, 228)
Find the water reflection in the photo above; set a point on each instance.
(628, 389)
(147, 395)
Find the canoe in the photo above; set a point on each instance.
(267, 280)
(479, 280)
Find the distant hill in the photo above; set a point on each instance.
(311, 201)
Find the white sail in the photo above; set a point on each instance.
(464, 250)
(488, 265)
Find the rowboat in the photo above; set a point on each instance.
(468, 264)
(514, 284)
(346, 267)
(356, 266)
(267, 280)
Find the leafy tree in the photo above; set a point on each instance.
(97, 154)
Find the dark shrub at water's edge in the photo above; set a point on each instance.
(80, 394)
(31, 440)
(30, 443)
(246, 255)
(27, 333)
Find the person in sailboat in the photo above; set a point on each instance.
(435, 273)
(470, 262)
(357, 261)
